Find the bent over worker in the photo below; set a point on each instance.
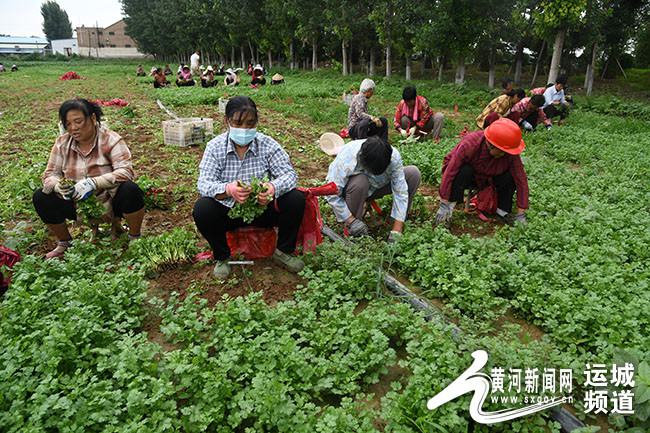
(366, 170)
(482, 157)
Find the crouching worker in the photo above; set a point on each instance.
(99, 162)
(414, 117)
(483, 157)
(238, 155)
(360, 123)
(366, 170)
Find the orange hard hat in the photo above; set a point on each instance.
(504, 134)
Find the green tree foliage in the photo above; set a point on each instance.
(56, 24)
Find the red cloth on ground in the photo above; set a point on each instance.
(8, 258)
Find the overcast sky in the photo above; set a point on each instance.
(23, 17)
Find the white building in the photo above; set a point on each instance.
(66, 47)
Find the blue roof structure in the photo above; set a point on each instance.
(22, 40)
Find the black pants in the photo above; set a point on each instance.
(205, 83)
(212, 220)
(182, 83)
(367, 128)
(260, 81)
(504, 184)
(561, 110)
(533, 118)
(54, 210)
(157, 85)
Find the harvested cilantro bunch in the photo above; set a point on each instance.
(251, 209)
(88, 209)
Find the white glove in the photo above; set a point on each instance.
(65, 191)
(83, 189)
(548, 128)
(403, 132)
(527, 125)
(412, 130)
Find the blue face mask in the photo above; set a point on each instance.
(243, 136)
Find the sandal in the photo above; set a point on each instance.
(60, 250)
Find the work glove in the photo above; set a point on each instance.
(412, 130)
(548, 128)
(527, 125)
(403, 132)
(266, 197)
(357, 228)
(239, 193)
(445, 212)
(64, 190)
(83, 189)
(521, 218)
(394, 236)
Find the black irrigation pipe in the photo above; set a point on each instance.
(567, 421)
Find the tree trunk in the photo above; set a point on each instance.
(460, 71)
(389, 17)
(232, 56)
(539, 57)
(350, 62)
(557, 54)
(270, 59)
(292, 55)
(440, 68)
(314, 53)
(591, 71)
(362, 61)
(519, 59)
(344, 57)
(493, 57)
(408, 68)
(423, 65)
(372, 61)
(250, 47)
(241, 52)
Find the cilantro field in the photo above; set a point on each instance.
(143, 339)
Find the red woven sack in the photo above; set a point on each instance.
(309, 234)
(252, 242)
(8, 258)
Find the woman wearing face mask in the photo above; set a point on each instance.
(99, 161)
(482, 157)
(236, 156)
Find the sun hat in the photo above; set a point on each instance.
(210, 68)
(258, 66)
(277, 77)
(331, 143)
(504, 134)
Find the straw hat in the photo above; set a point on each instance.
(331, 143)
(277, 77)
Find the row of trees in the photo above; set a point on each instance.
(360, 32)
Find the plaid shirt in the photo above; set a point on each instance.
(472, 150)
(500, 105)
(524, 109)
(358, 110)
(108, 163)
(424, 113)
(346, 165)
(537, 91)
(221, 165)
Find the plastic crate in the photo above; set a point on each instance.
(222, 105)
(187, 131)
